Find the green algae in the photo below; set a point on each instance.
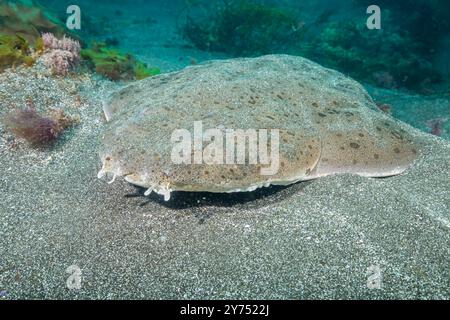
(386, 58)
(115, 65)
(28, 19)
(14, 50)
(245, 28)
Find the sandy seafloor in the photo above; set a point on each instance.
(311, 240)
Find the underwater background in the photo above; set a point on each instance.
(404, 65)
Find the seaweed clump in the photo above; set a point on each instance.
(22, 23)
(14, 50)
(36, 129)
(400, 55)
(115, 65)
(28, 20)
(61, 55)
(387, 58)
(243, 28)
(426, 21)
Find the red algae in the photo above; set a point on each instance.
(29, 125)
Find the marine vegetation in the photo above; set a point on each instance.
(114, 65)
(244, 28)
(401, 54)
(14, 50)
(436, 126)
(28, 20)
(36, 129)
(61, 55)
(21, 25)
(387, 58)
(425, 20)
(398, 56)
